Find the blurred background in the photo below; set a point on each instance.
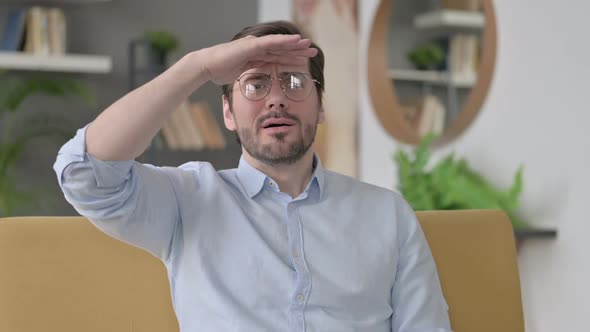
(458, 104)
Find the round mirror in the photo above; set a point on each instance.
(430, 65)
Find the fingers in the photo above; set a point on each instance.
(281, 59)
(281, 49)
(278, 43)
(292, 45)
(308, 52)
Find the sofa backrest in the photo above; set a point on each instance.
(61, 274)
(475, 255)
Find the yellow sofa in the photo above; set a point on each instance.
(60, 274)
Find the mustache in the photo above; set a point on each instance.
(276, 114)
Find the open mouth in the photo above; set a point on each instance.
(277, 123)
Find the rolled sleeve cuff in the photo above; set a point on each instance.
(106, 173)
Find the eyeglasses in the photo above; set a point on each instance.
(295, 86)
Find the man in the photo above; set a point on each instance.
(278, 244)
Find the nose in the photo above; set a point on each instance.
(276, 98)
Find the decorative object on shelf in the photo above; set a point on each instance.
(333, 26)
(470, 67)
(17, 131)
(161, 43)
(429, 56)
(454, 59)
(451, 184)
(148, 56)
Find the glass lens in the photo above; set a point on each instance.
(255, 86)
(296, 86)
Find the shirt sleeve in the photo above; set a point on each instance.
(418, 301)
(130, 201)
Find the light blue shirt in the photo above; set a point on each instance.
(243, 256)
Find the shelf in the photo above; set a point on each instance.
(450, 18)
(70, 63)
(537, 233)
(433, 77)
(50, 2)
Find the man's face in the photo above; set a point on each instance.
(274, 130)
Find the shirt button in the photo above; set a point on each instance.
(300, 298)
(295, 253)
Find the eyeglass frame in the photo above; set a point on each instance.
(280, 84)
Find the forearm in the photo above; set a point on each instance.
(125, 129)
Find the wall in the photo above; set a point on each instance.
(269, 10)
(106, 28)
(537, 115)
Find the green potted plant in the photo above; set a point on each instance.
(18, 129)
(451, 184)
(429, 56)
(161, 44)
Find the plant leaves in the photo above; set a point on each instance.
(452, 184)
(16, 91)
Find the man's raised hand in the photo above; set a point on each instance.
(225, 62)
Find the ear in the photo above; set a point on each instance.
(322, 115)
(228, 116)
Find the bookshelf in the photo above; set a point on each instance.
(50, 2)
(521, 234)
(449, 18)
(34, 38)
(68, 63)
(532, 233)
(191, 128)
(463, 92)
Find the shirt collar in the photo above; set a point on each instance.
(253, 180)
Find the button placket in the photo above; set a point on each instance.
(302, 278)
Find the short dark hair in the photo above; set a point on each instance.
(316, 64)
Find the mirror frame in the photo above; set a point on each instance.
(382, 88)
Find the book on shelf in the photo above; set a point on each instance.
(177, 139)
(462, 56)
(186, 132)
(37, 30)
(432, 116)
(13, 36)
(192, 127)
(195, 138)
(425, 115)
(37, 39)
(56, 31)
(171, 134)
(204, 120)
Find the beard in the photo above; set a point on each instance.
(281, 152)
